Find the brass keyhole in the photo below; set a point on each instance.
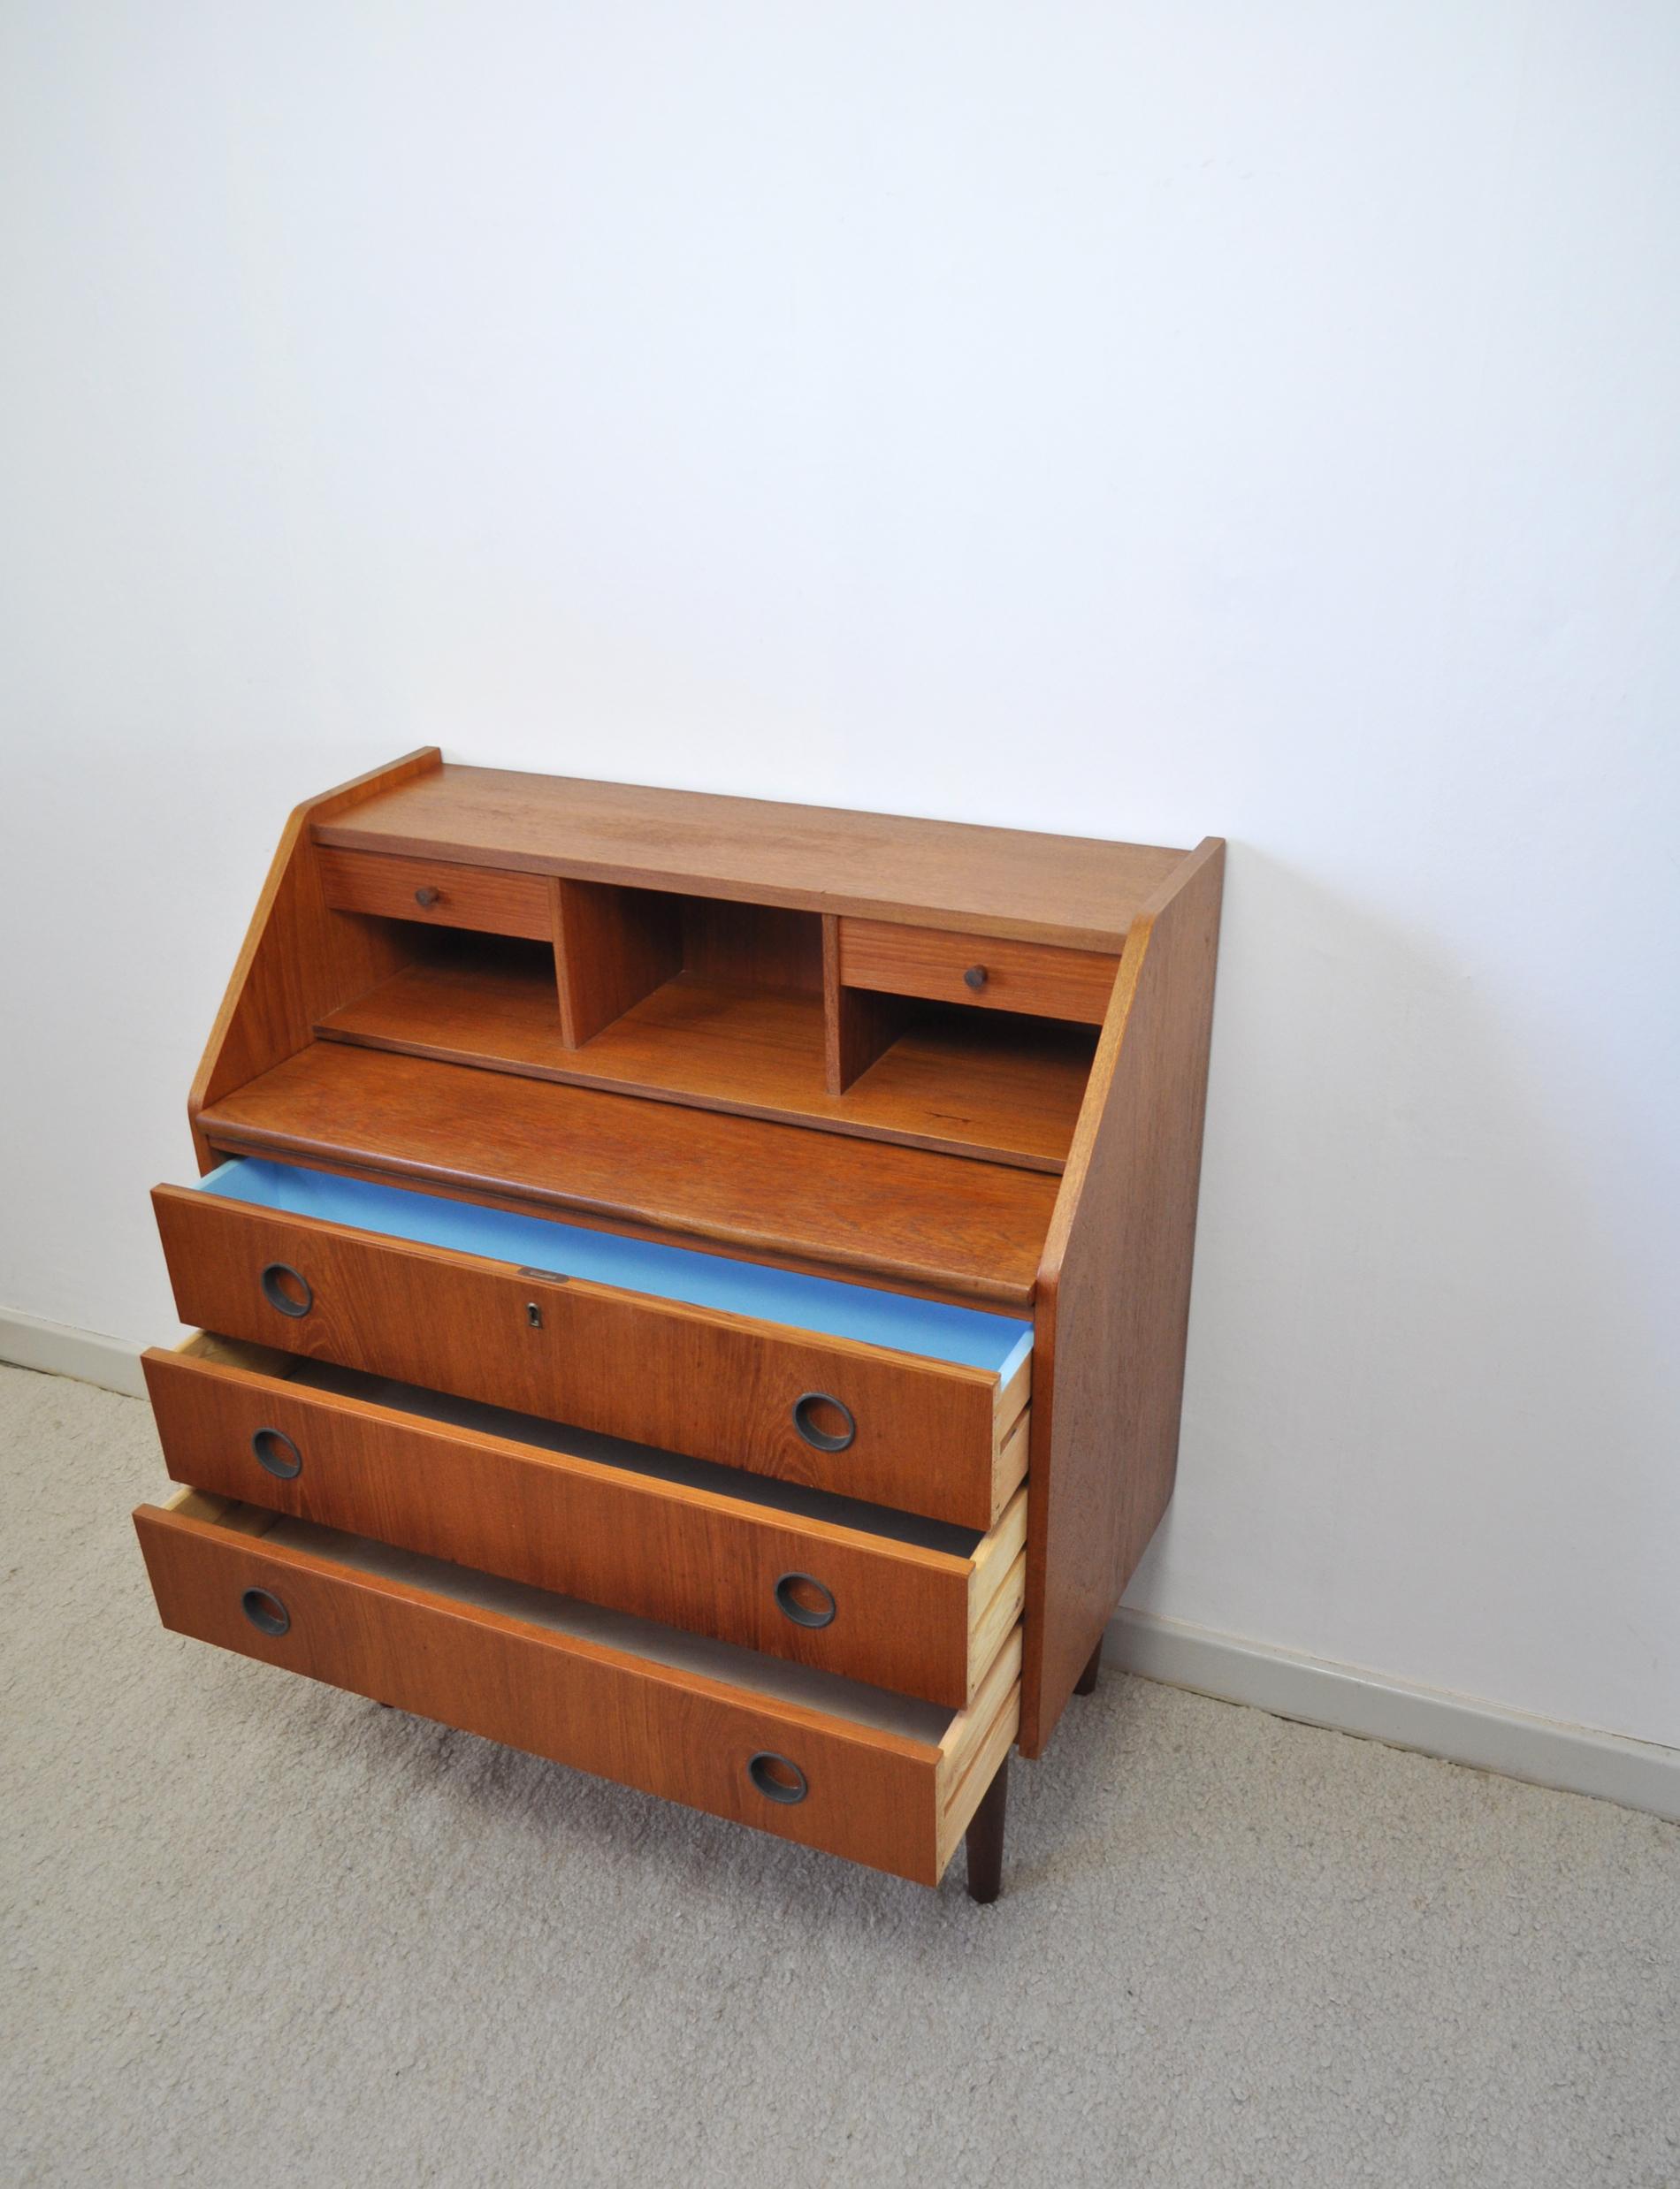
(533, 1315)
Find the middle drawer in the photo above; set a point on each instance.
(910, 1604)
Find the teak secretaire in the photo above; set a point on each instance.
(692, 1288)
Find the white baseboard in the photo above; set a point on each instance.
(57, 1350)
(1342, 1697)
(1575, 1758)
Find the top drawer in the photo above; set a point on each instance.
(484, 899)
(895, 1399)
(1033, 977)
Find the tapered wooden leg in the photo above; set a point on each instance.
(985, 1840)
(1086, 1684)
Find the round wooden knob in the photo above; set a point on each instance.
(975, 976)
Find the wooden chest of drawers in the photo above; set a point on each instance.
(692, 1287)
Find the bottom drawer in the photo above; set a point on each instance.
(878, 1778)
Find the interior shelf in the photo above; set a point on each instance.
(963, 1082)
(909, 1217)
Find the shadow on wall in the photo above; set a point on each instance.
(1424, 1358)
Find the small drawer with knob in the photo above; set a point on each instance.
(881, 1397)
(490, 900)
(903, 1603)
(1042, 979)
(882, 1778)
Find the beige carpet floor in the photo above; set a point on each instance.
(256, 1931)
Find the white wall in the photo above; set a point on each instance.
(1138, 421)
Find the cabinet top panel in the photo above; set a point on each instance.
(1073, 890)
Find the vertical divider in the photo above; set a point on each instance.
(612, 946)
(858, 1025)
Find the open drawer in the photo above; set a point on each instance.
(886, 1397)
(901, 1602)
(877, 1778)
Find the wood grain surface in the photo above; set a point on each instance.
(873, 1795)
(958, 1082)
(929, 1434)
(920, 1620)
(905, 1217)
(612, 946)
(300, 959)
(1114, 1291)
(1029, 977)
(728, 975)
(760, 946)
(437, 894)
(859, 1025)
(1001, 881)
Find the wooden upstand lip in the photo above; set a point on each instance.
(692, 1288)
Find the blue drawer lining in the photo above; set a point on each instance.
(967, 1336)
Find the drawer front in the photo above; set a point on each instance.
(927, 1437)
(1036, 978)
(438, 893)
(877, 1797)
(921, 1621)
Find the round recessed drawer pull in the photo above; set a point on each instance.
(428, 896)
(803, 1599)
(777, 1778)
(975, 976)
(277, 1454)
(285, 1289)
(815, 1414)
(266, 1612)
